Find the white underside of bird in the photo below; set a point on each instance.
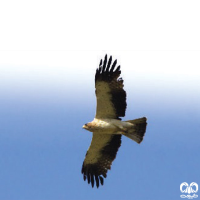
(114, 126)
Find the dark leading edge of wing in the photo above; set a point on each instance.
(96, 172)
(110, 74)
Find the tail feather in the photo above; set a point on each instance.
(137, 132)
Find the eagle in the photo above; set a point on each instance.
(107, 127)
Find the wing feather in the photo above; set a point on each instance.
(104, 63)
(109, 63)
(111, 97)
(99, 157)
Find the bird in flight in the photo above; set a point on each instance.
(107, 127)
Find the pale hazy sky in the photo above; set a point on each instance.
(24, 71)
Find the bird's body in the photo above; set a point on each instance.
(107, 127)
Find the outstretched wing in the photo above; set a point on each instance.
(111, 97)
(99, 157)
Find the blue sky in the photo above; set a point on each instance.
(43, 108)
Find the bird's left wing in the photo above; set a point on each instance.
(99, 157)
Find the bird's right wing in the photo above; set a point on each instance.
(111, 97)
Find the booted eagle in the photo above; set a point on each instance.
(107, 127)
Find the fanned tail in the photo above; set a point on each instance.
(137, 132)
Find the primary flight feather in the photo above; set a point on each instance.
(107, 126)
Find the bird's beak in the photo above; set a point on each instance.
(84, 126)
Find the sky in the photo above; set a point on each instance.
(49, 52)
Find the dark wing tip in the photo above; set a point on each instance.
(100, 63)
(113, 66)
(106, 72)
(92, 175)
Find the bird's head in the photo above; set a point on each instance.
(85, 126)
(88, 126)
